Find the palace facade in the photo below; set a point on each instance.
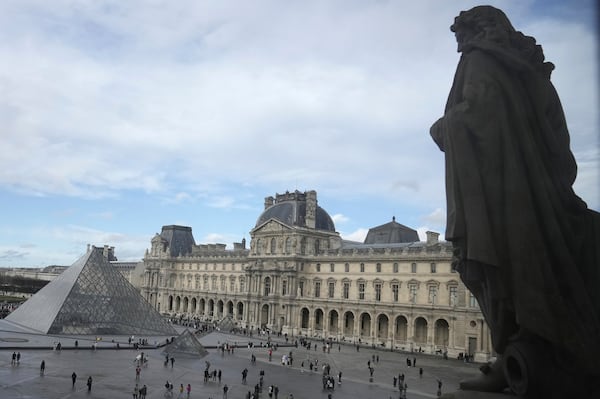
(299, 277)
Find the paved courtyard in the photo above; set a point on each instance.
(113, 370)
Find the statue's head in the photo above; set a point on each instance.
(481, 23)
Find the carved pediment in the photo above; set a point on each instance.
(272, 226)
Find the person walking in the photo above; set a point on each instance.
(18, 358)
(188, 390)
(136, 391)
(42, 367)
(172, 361)
(143, 391)
(14, 359)
(225, 390)
(180, 391)
(89, 383)
(74, 378)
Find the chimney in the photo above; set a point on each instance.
(268, 201)
(432, 237)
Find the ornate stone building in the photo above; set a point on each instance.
(300, 277)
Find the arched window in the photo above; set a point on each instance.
(273, 245)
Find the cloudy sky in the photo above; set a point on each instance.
(119, 117)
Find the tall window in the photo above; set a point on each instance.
(205, 283)
(223, 284)
(330, 289)
(301, 288)
(332, 267)
(214, 283)
(413, 268)
(303, 245)
(453, 295)
(284, 287)
(378, 292)
(242, 285)
(395, 292)
(362, 267)
(346, 291)
(288, 245)
(472, 301)
(318, 267)
(273, 245)
(412, 293)
(267, 286)
(317, 246)
(395, 268)
(433, 267)
(347, 267)
(317, 289)
(232, 285)
(378, 268)
(361, 290)
(432, 294)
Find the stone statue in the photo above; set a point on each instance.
(525, 244)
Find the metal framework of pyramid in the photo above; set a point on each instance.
(186, 343)
(91, 297)
(226, 324)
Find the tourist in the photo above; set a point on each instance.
(180, 391)
(188, 389)
(225, 389)
(43, 367)
(143, 391)
(89, 383)
(74, 378)
(136, 391)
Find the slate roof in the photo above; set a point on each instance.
(391, 233)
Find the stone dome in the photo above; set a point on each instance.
(291, 209)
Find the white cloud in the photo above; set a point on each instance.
(339, 218)
(358, 235)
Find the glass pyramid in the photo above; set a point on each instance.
(186, 343)
(226, 324)
(91, 298)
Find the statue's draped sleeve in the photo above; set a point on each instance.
(510, 203)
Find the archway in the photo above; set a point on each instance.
(194, 305)
(177, 303)
(420, 330)
(264, 315)
(365, 325)
(333, 322)
(349, 324)
(383, 324)
(220, 307)
(401, 328)
(304, 317)
(318, 319)
(441, 333)
(211, 308)
(240, 310)
(202, 306)
(230, 309)
(185, 304)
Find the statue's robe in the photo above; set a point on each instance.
(528, 246)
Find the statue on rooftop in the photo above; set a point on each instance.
(525, 244)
